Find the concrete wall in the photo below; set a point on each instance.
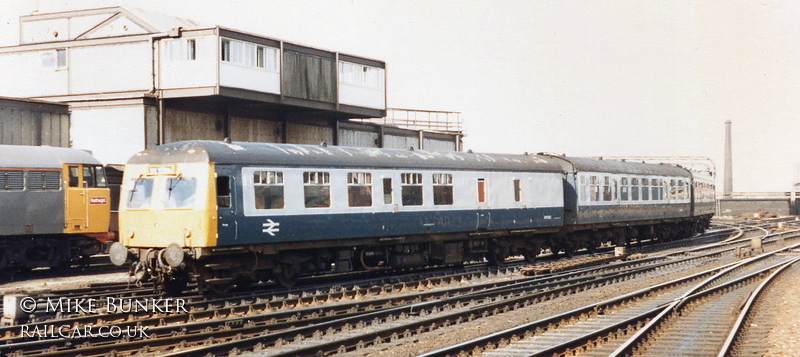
(747, 206)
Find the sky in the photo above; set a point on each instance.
(584, 78)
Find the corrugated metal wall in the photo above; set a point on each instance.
(183, 125)
(433, 144)
(254, 130)
(358, 138)
(33, 127)
(399, 141)
(309, 77)
(309, 134)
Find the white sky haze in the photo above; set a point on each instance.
(585, 78)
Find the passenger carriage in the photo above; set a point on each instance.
(233, 212)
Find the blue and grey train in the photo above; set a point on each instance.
(232, 213)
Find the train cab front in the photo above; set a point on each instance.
(167, 217)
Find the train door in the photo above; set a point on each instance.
(87, 199)
(484, 217)
(226, 207)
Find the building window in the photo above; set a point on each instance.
(359, 189)
(191, 49)
(56, 59)
(317, 189)
(250, 55)
(225, 54)
(442, 189)
(61, 58)
(359, 75)
(411, 189)
(268, 187)
(181, 50)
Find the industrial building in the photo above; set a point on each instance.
(134, 79)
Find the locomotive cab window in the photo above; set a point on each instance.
(74, 176)
(141, 194)
(411, 189)
(180, 192)
(94, 176)
(359, 189)
(268, 186)
(317, 189)
(442, 189)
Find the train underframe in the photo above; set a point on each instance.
(59, 250)
(219, 269)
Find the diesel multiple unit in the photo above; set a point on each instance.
(231, 213)
(55, 206)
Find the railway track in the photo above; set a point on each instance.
(600, 329)
(266, 321)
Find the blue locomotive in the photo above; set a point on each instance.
(232, 213)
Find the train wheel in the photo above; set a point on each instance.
(496, 255)
(286, 275)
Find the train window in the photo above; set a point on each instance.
(481, 190)
(607, 189)
(672, 189)
(654, 190)
(681, 191)
(594, 189)
(517, 191)
(100, 176)
(634, 189)
(582, 187)
(645, 189)
(89, 179)
(180, 192)
(223, 191)
(74, 176)
(11, 181)
(268, 186)
(411, 189)
(317, 190)
(359, 189)
(141, 193)
(623, 189)
(387, 191)
(442, 189)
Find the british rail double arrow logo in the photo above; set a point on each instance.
(271, 227)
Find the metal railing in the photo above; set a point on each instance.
(428, 120)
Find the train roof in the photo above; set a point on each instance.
(42, 157)
(242, 153)
(623, 167)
